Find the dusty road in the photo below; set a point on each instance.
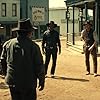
(70, 82)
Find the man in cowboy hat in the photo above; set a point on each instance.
(90, 46)
(24, 63)
(50, 45)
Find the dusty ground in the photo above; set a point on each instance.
(70, 82)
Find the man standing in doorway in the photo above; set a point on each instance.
(90, 46)
(50, 45)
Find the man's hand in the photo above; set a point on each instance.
(43, 50)
(41, 85)
(59, 50)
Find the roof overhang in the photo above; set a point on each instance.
(81, 4)
(8, 22)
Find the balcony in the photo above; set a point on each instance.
(79, 3)
(73, 1)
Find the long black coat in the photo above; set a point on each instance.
(24, 62)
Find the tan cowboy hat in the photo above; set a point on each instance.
(51, 22)
(24, 25)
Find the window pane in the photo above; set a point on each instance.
(3, 9)
(14, 10)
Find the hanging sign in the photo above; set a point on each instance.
(38, 14)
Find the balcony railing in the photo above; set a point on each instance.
(73, 1)
(68, 2)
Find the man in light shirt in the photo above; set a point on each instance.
(90, 46)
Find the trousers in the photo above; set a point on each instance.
(49, 53)
(94, 57)
(23, 94)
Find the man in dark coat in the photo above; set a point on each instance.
(3, 61)
(24, 63)
(50, 46)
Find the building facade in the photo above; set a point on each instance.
(13, 10)
(59, 16)
(84, 5)
(38, 12)
(9, 14)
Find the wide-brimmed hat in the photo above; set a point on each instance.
(87, 22)
(51, 22)
(24, 25)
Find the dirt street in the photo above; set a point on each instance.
(70, 81)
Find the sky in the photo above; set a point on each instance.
(61, 3)
(56, 3)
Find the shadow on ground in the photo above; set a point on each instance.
(66, 78)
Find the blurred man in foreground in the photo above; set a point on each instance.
(24, 63)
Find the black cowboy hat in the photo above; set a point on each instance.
(87, 22)
(51, 22)
(24, 25)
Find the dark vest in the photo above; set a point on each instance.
(90, 40)
(52, 38)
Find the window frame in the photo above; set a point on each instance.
(14, 9)
(3, 10)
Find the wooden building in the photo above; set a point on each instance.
(84, 5)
